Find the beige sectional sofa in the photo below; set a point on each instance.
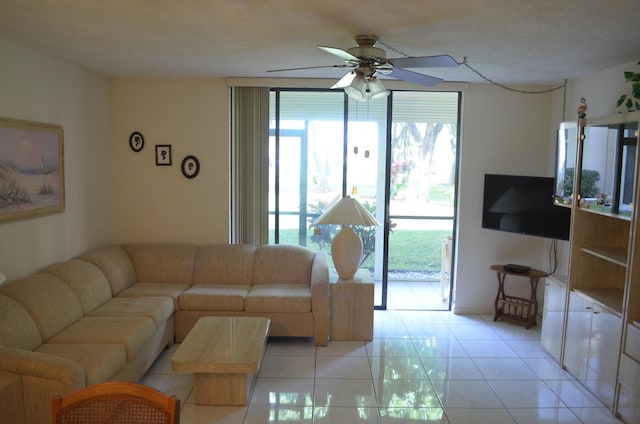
(288, 285)
(107, 314)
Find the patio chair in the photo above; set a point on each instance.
(445, 268)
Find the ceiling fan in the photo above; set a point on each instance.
(367, 60)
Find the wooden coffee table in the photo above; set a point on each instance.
(222, 353)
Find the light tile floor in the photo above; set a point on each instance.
(421, 366)
(413, 295)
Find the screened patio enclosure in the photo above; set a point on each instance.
(397, 156)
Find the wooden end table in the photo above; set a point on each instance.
(222, 353)
(517, 308)
(351, 307)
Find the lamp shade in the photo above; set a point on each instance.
(347, 211)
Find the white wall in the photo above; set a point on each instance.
(40, 88)
(157, 203)
(510, 136)
(600, 90)
(503, 132)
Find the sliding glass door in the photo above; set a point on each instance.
(422, 186)
(306, 159)
(396, 155)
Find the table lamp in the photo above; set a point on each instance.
(346, 247)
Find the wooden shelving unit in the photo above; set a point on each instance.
(628, 389)
(607, 297)
(616, 255)
(601, 338)
(553, 315)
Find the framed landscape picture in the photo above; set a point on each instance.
(31, 169)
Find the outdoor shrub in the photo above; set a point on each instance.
(590, 178)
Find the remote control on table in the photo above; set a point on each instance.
(517, 268)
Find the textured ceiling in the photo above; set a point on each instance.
(509, 41)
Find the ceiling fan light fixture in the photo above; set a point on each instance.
(376, 89)
(357, 90)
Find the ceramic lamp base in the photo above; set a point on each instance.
(346, 251)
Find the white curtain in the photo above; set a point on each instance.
(250, 165)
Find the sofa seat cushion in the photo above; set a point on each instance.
(214, 297)
(155, 289)
(99, 361)
(159, 309)
(294, 298)
(131, 332)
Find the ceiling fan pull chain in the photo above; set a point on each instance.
(465, 62)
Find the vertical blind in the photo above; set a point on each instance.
(249, 165)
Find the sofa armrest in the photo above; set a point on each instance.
(27, 363)
(43, 377)
(320, 298)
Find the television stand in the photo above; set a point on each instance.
(517, 308)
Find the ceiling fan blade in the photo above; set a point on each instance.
(444, 61)
(345, 81)
(414, 77)
(342, 54)
(310, 67)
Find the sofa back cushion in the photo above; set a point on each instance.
(282, 264)
(162, 262)
(115, 264)
(85, 279)
(51, 303)
(17, 328)
(224, 264)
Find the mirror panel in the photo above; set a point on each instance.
(608, 165)
(565, 162)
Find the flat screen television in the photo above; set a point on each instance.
(524, 205)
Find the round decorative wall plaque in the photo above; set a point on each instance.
(136, 141)
(190, 166)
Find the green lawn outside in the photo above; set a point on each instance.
(441, 193)
(416, 250)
